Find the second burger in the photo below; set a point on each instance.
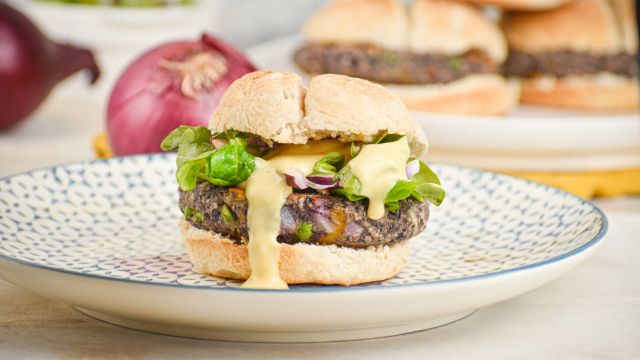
(438, 56)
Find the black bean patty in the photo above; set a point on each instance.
(566, 63)
(327, 219)
(392, 67)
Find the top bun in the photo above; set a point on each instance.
(379, 22)
(445, 27)
(276, 106)
(522, 4)
(592, 26)
(428, 26)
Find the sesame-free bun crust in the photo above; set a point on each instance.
(471, 95)
(589, 26)
(446, 27)
(213, 254)
(276, 106)
(625, 11)
(426, 26)
(522, 4)
(379, 22)
(604, 92)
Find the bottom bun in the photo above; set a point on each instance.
(472, 95)
(604, 92)
(213, 254)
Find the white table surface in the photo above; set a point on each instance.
(592, 312)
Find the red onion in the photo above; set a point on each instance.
(321, 179)
(31, 65)
(288, 223)
(412, 168)
(178, 83)
(353, 230)
(295, 178)
(320, 182)
(323, 222)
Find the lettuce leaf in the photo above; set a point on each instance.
(231, 163)
(349, 185)
(198, 160)
(329, 164)
(423, 186)
(387, 138)
(189, 141)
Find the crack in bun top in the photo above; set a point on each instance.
(276, 106)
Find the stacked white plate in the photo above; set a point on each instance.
(529, 139)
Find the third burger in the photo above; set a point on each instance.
(582, 55)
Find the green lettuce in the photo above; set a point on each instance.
(387, 138)
(328, 164)
(190, 141)
(198, 160)
(349, 185)
(423, 186)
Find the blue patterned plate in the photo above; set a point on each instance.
(102, 236)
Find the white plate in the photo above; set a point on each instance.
(102, 236)
(528, 130)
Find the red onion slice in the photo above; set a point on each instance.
(295, 178)
(320, 182)
(412, 168)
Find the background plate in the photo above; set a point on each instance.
(102, 235)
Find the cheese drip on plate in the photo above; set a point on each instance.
(378, 167)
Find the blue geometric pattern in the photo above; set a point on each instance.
(118, 219)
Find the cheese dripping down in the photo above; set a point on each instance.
(267, 191)
(377, 166)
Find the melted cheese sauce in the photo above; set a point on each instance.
(379, 167)
(303, 157)
(267, 191)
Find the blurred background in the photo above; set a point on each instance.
(62, 128)
(60, 117)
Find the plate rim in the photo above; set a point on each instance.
(596, 239)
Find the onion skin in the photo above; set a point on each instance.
(149, 100)
(31, 65)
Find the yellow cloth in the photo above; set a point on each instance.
(101, 146)
(588, 185)
(584, 184)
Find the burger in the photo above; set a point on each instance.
(438, 56)
(582, 55)
(293, 185)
